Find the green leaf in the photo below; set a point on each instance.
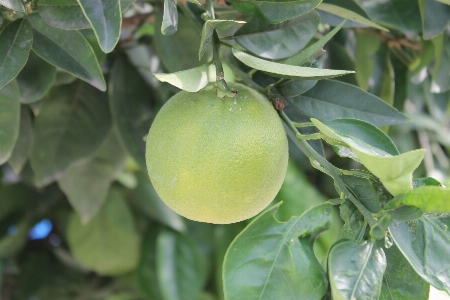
(64, 14)
(22, 148)
(293, 88)
(277, 41)
(435, 18)
(67, 50)
(300, 57)
(179, 266)
(400, 282)
(13, 4)
(356, 270)
(322, 102)
(12, 243)
(441, 70)
(148, 201)
(106, 20)
(35, 79)
(130, 101)
(170, 18)
(354, 225)
(367, 46)
(275, 11)
(191, 80)
(365, 190)
(428, 199)
(17, 39)
(208, 29)
(348, 14)
(444, 1)
(9, 119)
(109, 244)
(86, 182)
(282, 250)
(285, 71)
(72, 123)
(425, 243)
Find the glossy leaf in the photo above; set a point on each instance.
(300, 57)
(86, 182)
(191, 80)
(275, 11)
(293, 88)
(322, 103)
(441, 70)
(67, 50)
(347, 14)
(22, 148)
(277, 41)
(354, 226)
(179, 266)
(283, 252)
(435, 17)
(208, 29)
(106, 20)
(13, 4)
(72, 123)
(130, 101)
(286, 71)
(425, 243)
(429, 199)
(64, 14)
(35, 79)
(365, 190)
(9, 119)
(170, 18)
(109, 244)
(17, 39)
(356, 270)
(400, 281)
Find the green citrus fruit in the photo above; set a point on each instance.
(217, 160)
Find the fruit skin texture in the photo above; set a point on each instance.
(217, 160)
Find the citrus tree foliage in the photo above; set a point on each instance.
(362, 86)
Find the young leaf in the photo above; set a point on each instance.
(86, 182)
(207, 32)
(346, 13)
(283, 252)
(17, 39)
(356, 270)
(428, 199)
(22, 148)
(435, 18)
(277, 41)
(13, 4)
(191, 80)
(64, 14)
(9, 119)
(425, 243)
(170, 18)
(106, 20)
(179, 266)
(286, 71)
(67, 50)
(72, 123)
(324, 103)
(275, 11)
(109, 243)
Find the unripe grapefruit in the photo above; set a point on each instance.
(217, 160)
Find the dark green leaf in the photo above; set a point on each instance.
(72, 123)
(109, 243)
(293, 88)
(67, 50)
(170, 18)
(286, 71)
(356, 270)
(9, 119)
(172, 49)
(277, 41)
(13, 4)
(17, 39)
(400, 282)
(64, 14)
(191, 80)
(12, 243)
(282, 250)
(406, 213)
(425, 243)
(130, 100)
(353, 221)
(365, 190)
(86, 182)
(275, 11)
(35, 79)
(106, 20)
(22, 148)
(207, 32)
(429, 199)
(436, 17)
(441, 71)
(322, 103)
(179, 266)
